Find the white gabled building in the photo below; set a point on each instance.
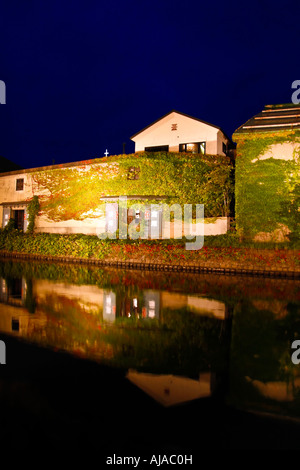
(178, 132)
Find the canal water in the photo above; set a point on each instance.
(152, 341)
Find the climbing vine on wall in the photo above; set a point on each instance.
(75, 192)
(32, 209)
(265, 188)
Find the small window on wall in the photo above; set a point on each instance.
(20, 184)
(224, 148)
(133, 173)
(197, 147)
(160, 148)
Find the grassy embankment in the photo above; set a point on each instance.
(218, 251)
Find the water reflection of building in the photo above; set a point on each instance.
(169, 390)
(150, 303)
(13, 291)
(196, 303)
(284, 391)
(109, 306)
(13, 295)
(103, 304)
(145, 304)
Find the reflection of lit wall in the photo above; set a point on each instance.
(90, 298)
(14, 319)
(197, 304)
(279, 391)
(207, 306)
(151, 304)
(3, 290)
(170, 389)
(131, 306)
(109, 306)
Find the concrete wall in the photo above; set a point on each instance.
(94, 221)
(8, 192)
(217, 226)
(90, 226)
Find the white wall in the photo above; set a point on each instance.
(188, 130)
(217, 226)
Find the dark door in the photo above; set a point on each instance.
(19, 219)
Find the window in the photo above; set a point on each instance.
(197, 147)
(20, 184)
(161, 148)
(15, 324)
(133, 173)
(224, 148)
(173, 127)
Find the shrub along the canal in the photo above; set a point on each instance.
(216, 250)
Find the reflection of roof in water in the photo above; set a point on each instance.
(279, 391)
(170, 390)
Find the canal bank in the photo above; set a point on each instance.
(221, 254)
(268, 263)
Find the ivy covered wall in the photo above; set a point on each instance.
(75, 192)
(267, 186)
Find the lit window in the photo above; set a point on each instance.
(196, 147)
(202, 148)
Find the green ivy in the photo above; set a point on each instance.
(32, 209)
(264, 187)
(76, 192)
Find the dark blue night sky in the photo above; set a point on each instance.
(82, 77)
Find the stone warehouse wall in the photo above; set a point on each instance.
(267, 189)
(95, 226)
(72, 197)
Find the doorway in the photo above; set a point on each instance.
(19, 219)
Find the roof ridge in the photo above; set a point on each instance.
(182, 114)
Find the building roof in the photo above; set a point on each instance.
(50, 167)
(182, 114)
(273, 118)
(15, 203)
(7, 165)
